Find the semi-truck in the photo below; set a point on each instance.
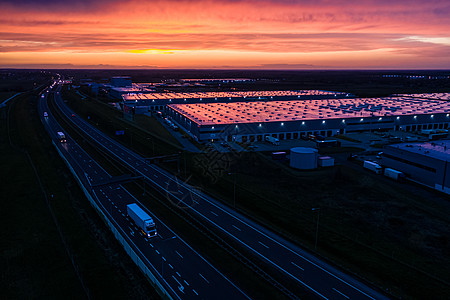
(394, 174)
(142, 220)
(272, 140)
(61, 136)
(372, 166)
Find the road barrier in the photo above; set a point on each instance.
(150, 274)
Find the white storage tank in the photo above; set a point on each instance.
(326, 161)
(304, 158)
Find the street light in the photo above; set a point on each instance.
(317, 225)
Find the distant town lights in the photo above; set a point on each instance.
(282, 124)
(380, 119)
(398, 118)
(212, 127)
(415, 117)
(432, 116)
(361, 120)
(260, 125)
(303, 123)
(323, 122)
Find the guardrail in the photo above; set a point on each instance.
(118, 235)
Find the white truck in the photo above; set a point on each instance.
(394, 174)
(141, 219)
(272, 140)
(372, 166)
(61, 136)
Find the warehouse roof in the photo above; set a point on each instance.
(213, 95)
(438, 149)
(294, 110)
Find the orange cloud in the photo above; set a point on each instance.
(206, 33)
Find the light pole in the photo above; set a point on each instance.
(234, 189)
(317, 225)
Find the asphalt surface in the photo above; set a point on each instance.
(183, 271)
(322, 279)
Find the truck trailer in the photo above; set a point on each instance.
(372, 166)
(142, 220)
(61, 136)
(394, 174)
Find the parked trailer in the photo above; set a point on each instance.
(374, 167)
(142, 219)
(394, 174)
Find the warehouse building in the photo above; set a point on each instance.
(252, 121)
(159, 101)
(427, 163)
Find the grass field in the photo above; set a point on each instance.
(381, 231)
(34, 260)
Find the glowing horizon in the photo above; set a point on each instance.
(238, 34)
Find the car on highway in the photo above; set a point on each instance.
(45, 114)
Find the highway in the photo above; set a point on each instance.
(183, 271)
(322, 279)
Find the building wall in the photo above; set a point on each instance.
(428, 170)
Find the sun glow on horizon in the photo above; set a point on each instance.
(225, 34)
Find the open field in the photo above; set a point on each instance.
(35, 262)
(374, 227)
(358, 82)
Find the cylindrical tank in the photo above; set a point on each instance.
(304, 158)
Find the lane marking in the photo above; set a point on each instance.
(263, 245)
(203, 278)
(236, 228)
(297, 266)
(214, 213)
(178, 253)
(178, 274)
(340, 293)
(157, 251)
(194, 292)
(119, 196)
(186, 282)
(170, 266)
(163, 258)
(181, 287)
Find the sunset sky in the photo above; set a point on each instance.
(251, 34)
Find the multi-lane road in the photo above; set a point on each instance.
(322, 279)
(183, 272)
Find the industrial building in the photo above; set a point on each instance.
(252, 121)
(144, 102)
(427, 163)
